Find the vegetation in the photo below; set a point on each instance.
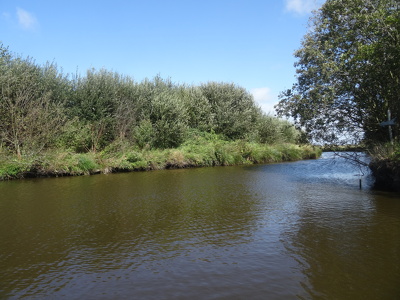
(56, 124)
(348, 80)
(348, 73)
(385, 166)
(197, 153)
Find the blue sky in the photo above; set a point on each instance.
(247, 42)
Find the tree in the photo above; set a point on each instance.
(271, 130)
(233, 109)
(348, 71)
(162, 114)
(99, 99)
(199, 110)
(169, 120)
(125, 116)
(30, 118)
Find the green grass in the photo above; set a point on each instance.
(201, 151)
(386, 151)
(12, 169)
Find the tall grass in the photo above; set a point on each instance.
(387, 151)
(200, 152)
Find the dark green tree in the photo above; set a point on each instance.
(348, 71)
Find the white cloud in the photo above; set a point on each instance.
(265, 98)
(26, 20)
(302, 7)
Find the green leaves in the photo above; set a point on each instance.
(30, 118)
(348, 70)
(169, 117)
(42, 108)
(233, 109)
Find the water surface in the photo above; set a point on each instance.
(301, 230)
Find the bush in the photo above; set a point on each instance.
(385, 151)
(144, 134)
(169, 118)
(75, 136)
(110, 114)
(272, 130)
(78, 164)
(233, 109)
(12, 169)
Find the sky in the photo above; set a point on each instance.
(246, 42)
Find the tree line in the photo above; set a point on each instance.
(43, 108)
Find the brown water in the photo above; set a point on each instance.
(301, 230)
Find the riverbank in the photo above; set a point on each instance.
(343, 148)
(387, 174)
(385, 166)
(118, 158)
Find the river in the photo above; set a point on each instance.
(299, 230)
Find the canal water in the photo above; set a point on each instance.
(299, 230)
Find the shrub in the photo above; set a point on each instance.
(144, 134)
(233, 109)
(86, 164)
(12, 169)
(75, 136)
(169, 119)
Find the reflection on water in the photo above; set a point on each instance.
(301, 230)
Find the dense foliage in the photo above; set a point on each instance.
(348, 72)
(42, 109)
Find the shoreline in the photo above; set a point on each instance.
(62, 164)
(386, 173)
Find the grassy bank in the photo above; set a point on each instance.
(343, 148)
(122, 158)
(385, 166)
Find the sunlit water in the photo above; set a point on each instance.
(301, 230)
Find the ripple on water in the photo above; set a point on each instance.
(282, 231)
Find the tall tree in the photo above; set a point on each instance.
(31, 97)
(233, 109)
(95, 102)
(348, 71)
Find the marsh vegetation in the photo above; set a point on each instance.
(56, 124)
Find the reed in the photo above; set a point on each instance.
(197, 153)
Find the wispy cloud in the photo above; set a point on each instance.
(26, 19)
(265, 98)
(5, 16)
(302, 7)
